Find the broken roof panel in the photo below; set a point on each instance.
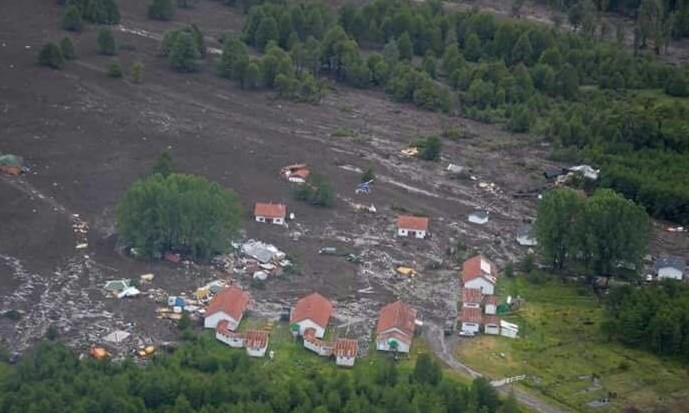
(677, 263)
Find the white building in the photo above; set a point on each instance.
(318, 346)
(345, 352)
(410, 226)
(478, 272)
(491, 325)
(472, 297)
(510, 330)
(471, 320)
(311, 312)
(228, 304)
(232, 339)
(670, 267)
(478, 217)
(490, 304)
(525, 236)
(395, 330)
(270, 213)
(256, 343)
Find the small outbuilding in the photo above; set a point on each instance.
(345, 351)
(471, 320)
(510, 330)
(411, 226)
(526, 236)
(491, 324)
(256, 343)
(670, 267)
(479, 217)
(270, 213)
(490, 303)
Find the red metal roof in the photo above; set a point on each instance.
(256, 339)
(346, 347)
(491, 320)
(491, 299)
(300, 173)
(472, 295)
(233, 301)
(314, 307)
(470, 315)
(223, 328)
(397, 315)
(413, 223)
(270, 210)
(476, 267)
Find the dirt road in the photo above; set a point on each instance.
(435, 337)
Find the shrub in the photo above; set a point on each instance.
(106, 42)
(51, 56)
(429, 148)
(137, 72)
(161, 10)
(69, 52)
(72, 19)
(115, 69)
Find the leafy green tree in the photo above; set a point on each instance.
(69, 52)
(184, 55)
(179, 212)
(405, 47)
(115, 69)
(106, 42)
(251, 76)
(368, 175)
(567, 81)
(480, 94)
(95, 12)
(429, 147)
(137, 72)
(522, 50)
(112, 12)
(267, 31)
(520, 120)
(51, 56)
(391, 52)
(234, 54)
(163, 165)
(677, 84)
(429, 64)
(161, 10)
(452, 59)
(472, 48)
(555, 230)
(317, 190)
(427, 370)
(72, 20)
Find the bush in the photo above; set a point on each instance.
(317, 190)
(106, 42)
(69, 52)
(137, 72)
(184, 54)
(51, 56)
(453, 133)
(115, 69)
(72, 20)
(429, 148)
(161, 10)
(185, 4)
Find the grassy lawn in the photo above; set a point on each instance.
(566, 357)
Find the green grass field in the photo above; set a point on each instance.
(566, 356)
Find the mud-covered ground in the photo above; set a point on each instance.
(87, 137)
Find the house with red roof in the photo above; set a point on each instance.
(313, 311)
(345, 351)
(228, 304)
(270, 213)
(470, 319)
(297, 173)
(472, 297)
(490, 304)
(256, 343)
(479, 272)
(411, 226)
(491, 324)
(315, 344)
(395, 329)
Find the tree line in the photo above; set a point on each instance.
(653, 318)
(199, 378)
(602, 233)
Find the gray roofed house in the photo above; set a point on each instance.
(670, 267)
(478, 217)
(526, 235)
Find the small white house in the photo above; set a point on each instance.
(316, 345)
(478, 217)
(491, 304)
(229, 305)
(395, 329)
(232, 339)
(480, 273)
(525, 236)
(256, 343)
(410, 226)
(345, 352)
(491, 325)
(311, 312)
(510, 330)
(270, 213)
(471, 320)
(670, 267)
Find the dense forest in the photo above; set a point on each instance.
(654, 318)
(203, 376)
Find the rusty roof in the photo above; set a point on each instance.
(479, 266)
(471, 295)
(397, 315)
(346, 347)
(232, 300)
(313, 307)
(491, 320)
(470, 315)
(491, 299)
(256, 339)
(412, 222)
(270, 210)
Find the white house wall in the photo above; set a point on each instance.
(470, 327)
(256, 352)
(306, 324)
(486, 287)
(234, 342)
(490, 309)
(345, 361)
(212, 320)
(384, 345)
(491, 329)
(670, 272)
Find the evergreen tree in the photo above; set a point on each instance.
(472, 48)
(137, 72)
(72, 20)
(368, 175)
(95, 12)
(391, 52)
(429, 64)
(267, 31)
(115, 69)
(106, 42)
(426, 370)
(51, 56)
(251, 76)
(405, 47)
(522, 51)
(163, 165)
(184, 55)
(69, 52)
(161, 10)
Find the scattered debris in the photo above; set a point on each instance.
(173, 257)
(146, 278)
(117, 336)
(11, 164)
(129, 292)
(406, 271)
(364, 187)
(411, 151)
(297, 173)
(99, 353)
(117, 286)
(479, 217)
(587, 171)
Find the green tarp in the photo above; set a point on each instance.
(11, 160)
